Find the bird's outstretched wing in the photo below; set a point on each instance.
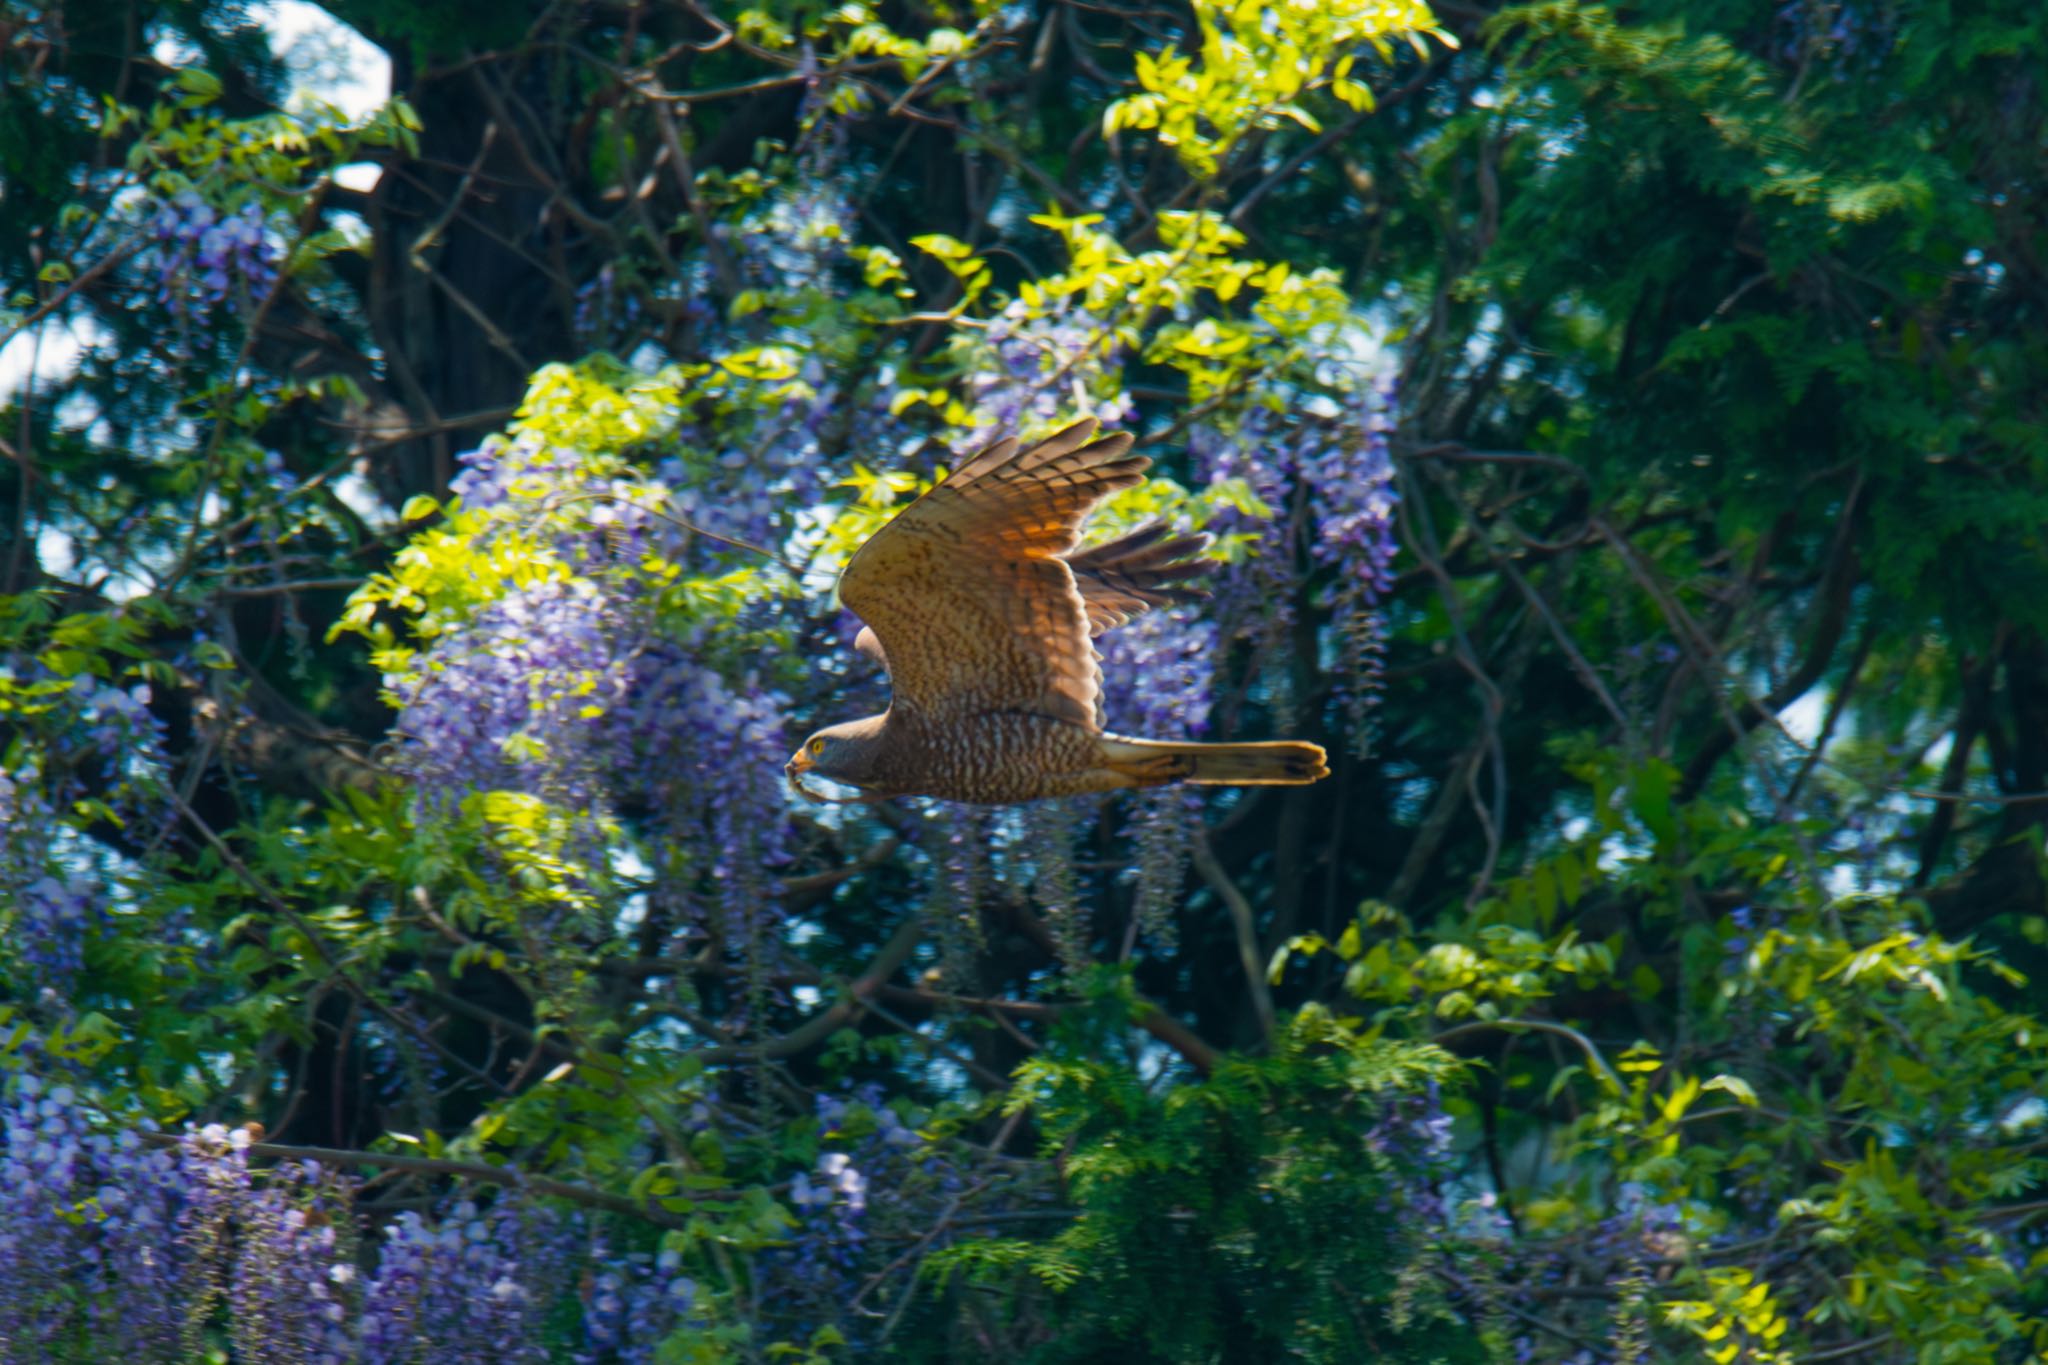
(1120, 580)
(967, 589)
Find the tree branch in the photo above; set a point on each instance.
(1824, 627)
(834, 1017)
(511, 1177)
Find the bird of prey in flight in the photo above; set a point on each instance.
(984, 611)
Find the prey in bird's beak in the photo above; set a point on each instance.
(794, 770)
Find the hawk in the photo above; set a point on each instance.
(978, 603)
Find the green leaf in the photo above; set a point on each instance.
(202, 85)
(1735, 1086)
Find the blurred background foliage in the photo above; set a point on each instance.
(1621, 430)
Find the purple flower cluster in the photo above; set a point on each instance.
(95, 1237)
(112, 720)
(93, 739)
(558, 690)
(1026, 373)
(204, 257)
(779, 266)
(115, 1248)
(51, 918)
(45, 1173)
(1327, 482)
(635, 1303)
(570, 688)
(830, 1202)
(1415, 1131)
(605, 312)
(961, 846)
(1850, 38)
(880, 1127)
(1164, 824)
(502, 702)
(1050, 830)
(750, 486)
(1159, 675)
(828, 1258)
(471, 1288)
(1641, 1229)
(796, 239)
(1350, 475)
(1255, 601)
(136, 1304)
(720, 754)
(840, 1186)
(1257, 450)
(291, 1291)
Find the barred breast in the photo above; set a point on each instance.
(1004, 756)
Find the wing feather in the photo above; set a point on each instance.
(1124, 578)
(1119, 580)
(966, 589)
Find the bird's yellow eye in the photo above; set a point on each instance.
(817, 746)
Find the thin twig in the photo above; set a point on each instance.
(1579, 664)
(1583, 1043)
(1851, 1349)
(472, 1170)
(1981, 798)
(1246, 929)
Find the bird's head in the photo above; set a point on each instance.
(848, 752)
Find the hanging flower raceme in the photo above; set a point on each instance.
(749, 484)
(1255, 601)
(1350, 476)
(475, 1284)
(99, 747)
(875, 1177)
(143, 1250)
(635, 1303)
(584, 678)
(1158, 679)
(1325, 478)
(201, 256)
(516, 691)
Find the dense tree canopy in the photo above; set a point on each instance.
(1622, 433)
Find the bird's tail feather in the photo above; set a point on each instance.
(1153, 763)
